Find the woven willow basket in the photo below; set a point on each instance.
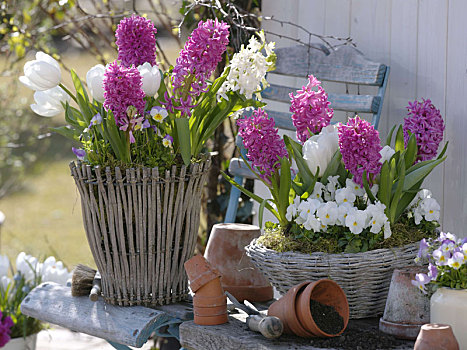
(364, 277)
(141, 227)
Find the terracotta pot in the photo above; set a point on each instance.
(200, 301)
(199, 272)
(284, 309)
(435, 336)
(226, 252)
(406, 308)
(326, 292)
(211, 289)
(211, 320)
(210, 311)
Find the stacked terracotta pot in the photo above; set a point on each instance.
(209, 302)
(293, 309)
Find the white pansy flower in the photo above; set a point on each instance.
(331, 187)
(49, 102)
(292, 209)
(307, 208)
(355, 221)
(342, 212)
(328, 213)
(54, 271)
(319, 149)
(4, 265)
(354, 187)
(374, 189)
(95, 82)
(430, 209)
(151, 77)
(27, 265)
(318, 191)
(421, 195)
(387, 230)
(41, 74)
(345, 195)
(418, 215)
(386, 153)
(312, 223)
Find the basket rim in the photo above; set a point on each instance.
(255, 246)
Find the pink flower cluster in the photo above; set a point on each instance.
(310, 109)
(426, 123)
(360, 147)
(122, 89)
(136, 41)
(5, 329)
(265, 147)
(202, 52)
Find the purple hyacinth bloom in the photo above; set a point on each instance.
(136, 41)
(202, 52)
(265, 147)
(426, 123)
(310, 109)
(79, 153)
(360, 147)
(5, 329)
(122, 89)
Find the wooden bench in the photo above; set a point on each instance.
(346, 66)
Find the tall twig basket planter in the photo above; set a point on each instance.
(141, 226)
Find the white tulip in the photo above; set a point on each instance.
(151, 77)
(41, 74)
(54, 271)
(94, 80)
(319, 149)
(27, 265)
(49, 102)
(4, 265)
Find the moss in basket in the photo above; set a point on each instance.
(337, 240)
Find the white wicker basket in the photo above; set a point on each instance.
(365, 277)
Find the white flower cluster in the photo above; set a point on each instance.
(29, 267)
(248, 69)
(332, 205)
(424, 206)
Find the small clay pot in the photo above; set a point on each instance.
(326, 292)
(199, 272)
(435, 336)
(211, 320)
(200, 301)
(211, 289)
(210, 311)
(226, 252)
(284, 309)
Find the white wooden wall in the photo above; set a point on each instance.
(425, 44)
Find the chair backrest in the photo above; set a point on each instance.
(345, 65)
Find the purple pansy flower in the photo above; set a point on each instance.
(423, 249)
(97, 119)
(432, 271)
(79, 153)
(167, 141)
(421, 279)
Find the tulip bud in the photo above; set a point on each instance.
(41, 74)
(151, 77)
(49, 102)
(318, 150)
(94, 80)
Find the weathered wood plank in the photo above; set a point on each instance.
(340, 102)
(346, 64)
(53, 303)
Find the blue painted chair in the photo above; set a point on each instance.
(346, 66)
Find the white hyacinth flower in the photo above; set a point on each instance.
(327, 213)
(355, 221)
(151, 77)
(386, 153)
(41, 74)
(49, 102)
(345, 195)
(359, 191)
(95, 80)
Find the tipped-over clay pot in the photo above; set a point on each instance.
(326, 292)
(201, 301)
(284, 309)
(200, 272)
(226, 252)
(211, 320)
(434, 336)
